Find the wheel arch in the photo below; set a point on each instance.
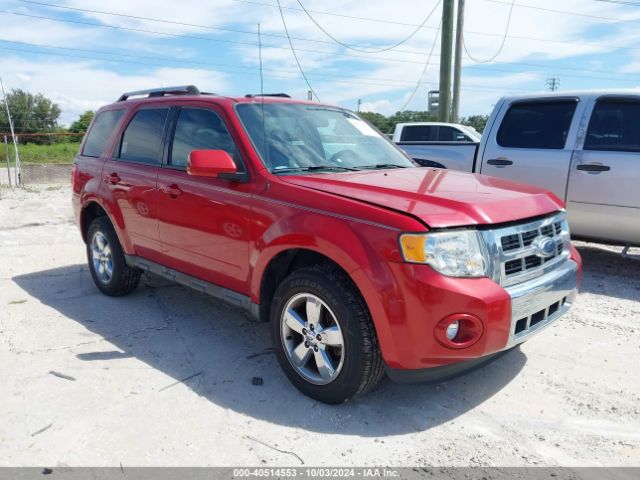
(93, 208)
(283, 264)
(90, 211)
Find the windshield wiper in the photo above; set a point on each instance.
(380, 166)
(314, 168)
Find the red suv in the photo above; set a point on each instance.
(312, 220)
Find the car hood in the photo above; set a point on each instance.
(438, 197)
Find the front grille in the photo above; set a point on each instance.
(519, 255)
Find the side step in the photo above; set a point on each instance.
(221, 293)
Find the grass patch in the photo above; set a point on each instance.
(17, 302)
(59, 153)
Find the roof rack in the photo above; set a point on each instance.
(161, 92)
(281, 95)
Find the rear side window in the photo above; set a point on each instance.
(200, 129)
(450, 134)
(537, 125)
(100, 132)
(418, 133)
(142, 140)
(614, 126)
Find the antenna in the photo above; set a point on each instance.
(264, 130)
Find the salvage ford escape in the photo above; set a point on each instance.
(306, 216)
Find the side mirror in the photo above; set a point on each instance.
(210, 163)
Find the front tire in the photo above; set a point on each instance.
(323, 335)
(107, 263)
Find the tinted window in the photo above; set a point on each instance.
(199, 129)
(537, 125)
(142, 140)
(614, 125)
(417, 133)
(100, 132)
(450, 134)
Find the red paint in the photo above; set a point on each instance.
(210, 163)
(227, 232)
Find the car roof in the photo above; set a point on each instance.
(573, 93)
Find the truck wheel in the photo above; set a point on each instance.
(323, 335)
(107, 264)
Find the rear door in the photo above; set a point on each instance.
(131, 175)
(204, 221)
(603, 200)
(534, 143)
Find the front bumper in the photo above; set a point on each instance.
(538, 303)
(535, 305)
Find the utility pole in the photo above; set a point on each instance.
(359, 103)
(18, 167)
(553, 83)
(6, 150)
(457, 68)
(446, 42)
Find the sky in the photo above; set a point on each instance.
(83, 59)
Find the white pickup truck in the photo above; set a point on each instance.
(582, 146)
(430, 144)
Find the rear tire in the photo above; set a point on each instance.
(339, 358)
(107, 263)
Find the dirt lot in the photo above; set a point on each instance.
(570, 396)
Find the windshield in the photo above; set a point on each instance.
(310, 138)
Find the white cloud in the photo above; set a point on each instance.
(385, 107)
(80, 86)
(338, 75)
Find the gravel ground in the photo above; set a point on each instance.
(163, 376)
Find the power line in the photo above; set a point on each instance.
(340, 78)
(567, 12)
(209, 39)
(620, 2)
(469, 32)
(173, 22)
(295, 55)
(426, 65)
(504, 40)
(379, 50)
(161, 61)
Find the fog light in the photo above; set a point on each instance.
(452, 330)
(459, 330)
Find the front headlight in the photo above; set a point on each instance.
(458, 253)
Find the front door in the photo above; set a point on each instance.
(603, 200)
(204, 222)
(131, 174)
(532, 144)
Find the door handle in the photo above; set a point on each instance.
(593, 168)
(499, 162)
(172, 190)
(113, 178)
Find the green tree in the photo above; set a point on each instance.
(476, 121)
(30, 113)
(412, 116)
(378, 120)
(82, 123)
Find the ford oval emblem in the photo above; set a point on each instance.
(545, 247)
